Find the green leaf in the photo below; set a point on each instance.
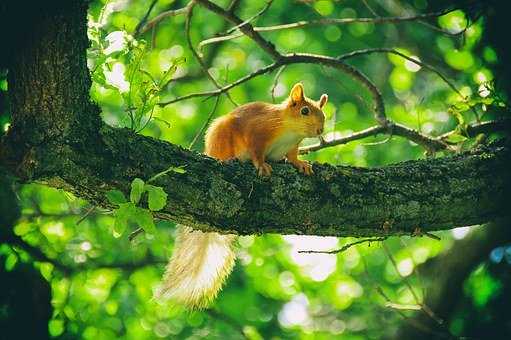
(456, 138)
(56, 327)
(137, 188)
(115, 197)
(125, 212)
(10, 262)
(120, 225)
(144, 218)
(157, 197)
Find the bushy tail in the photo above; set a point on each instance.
(199, 265)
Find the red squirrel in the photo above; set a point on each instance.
(257, 131)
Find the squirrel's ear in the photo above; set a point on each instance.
(323, 100)
(296, 94)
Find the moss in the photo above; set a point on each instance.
(224, 198)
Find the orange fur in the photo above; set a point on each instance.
(258, 131)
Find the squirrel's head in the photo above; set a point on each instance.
(306, 114)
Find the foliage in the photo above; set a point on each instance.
(275, 292)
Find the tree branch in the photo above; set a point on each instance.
(57, 137)
(156, 20)
(325, 22)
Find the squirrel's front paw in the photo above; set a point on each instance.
(304, 167)
(264, 169)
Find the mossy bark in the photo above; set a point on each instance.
(57, 137)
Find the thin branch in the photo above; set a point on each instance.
(275, 81)
(222, 36)
(329, 21)
(372, 131)
(303, 58)
(247, 28)
(252, 18)
(205, 125)
(242, 80)
(370, 8)
(471, 130)
(197, 56)
(431, 144)
(424, 308)
(402, 55)
(490, 126)
(167, 14)
(84, 216)
(345, 247)
(414, 323)
(144, 19)
(192, 76)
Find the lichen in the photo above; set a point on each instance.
(224, 198)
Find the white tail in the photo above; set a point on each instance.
(199, 265)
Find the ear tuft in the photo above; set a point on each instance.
(323, 100)
(296, 94)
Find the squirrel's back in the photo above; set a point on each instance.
(228, 136)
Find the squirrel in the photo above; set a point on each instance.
(201, 261)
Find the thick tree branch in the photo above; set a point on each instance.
(57, 138)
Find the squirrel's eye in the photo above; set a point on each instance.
(304, 111)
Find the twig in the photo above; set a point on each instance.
(221, 37)
(254, 74)
(345, 247)
(197, 56)
(370, 8)
(405, 280)
(84, 216)
(303, 58)
(144, 19)
(432, 236)
(135, 233)
(167, 14)
(473, 130)
(418, 325)
(275, 81)
(414, 323)
(402, 55)
(372, 131)
(247, 28)
(252, 18)
(205, 125)
(328, 21)
(424, 307)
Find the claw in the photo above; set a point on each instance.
(304, 167)
(264, 169)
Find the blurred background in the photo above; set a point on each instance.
(93, 283)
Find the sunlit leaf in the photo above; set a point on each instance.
(144, 218)
(137, 188)
(115, 197)
(157, 197)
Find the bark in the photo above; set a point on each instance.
(57, 137)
